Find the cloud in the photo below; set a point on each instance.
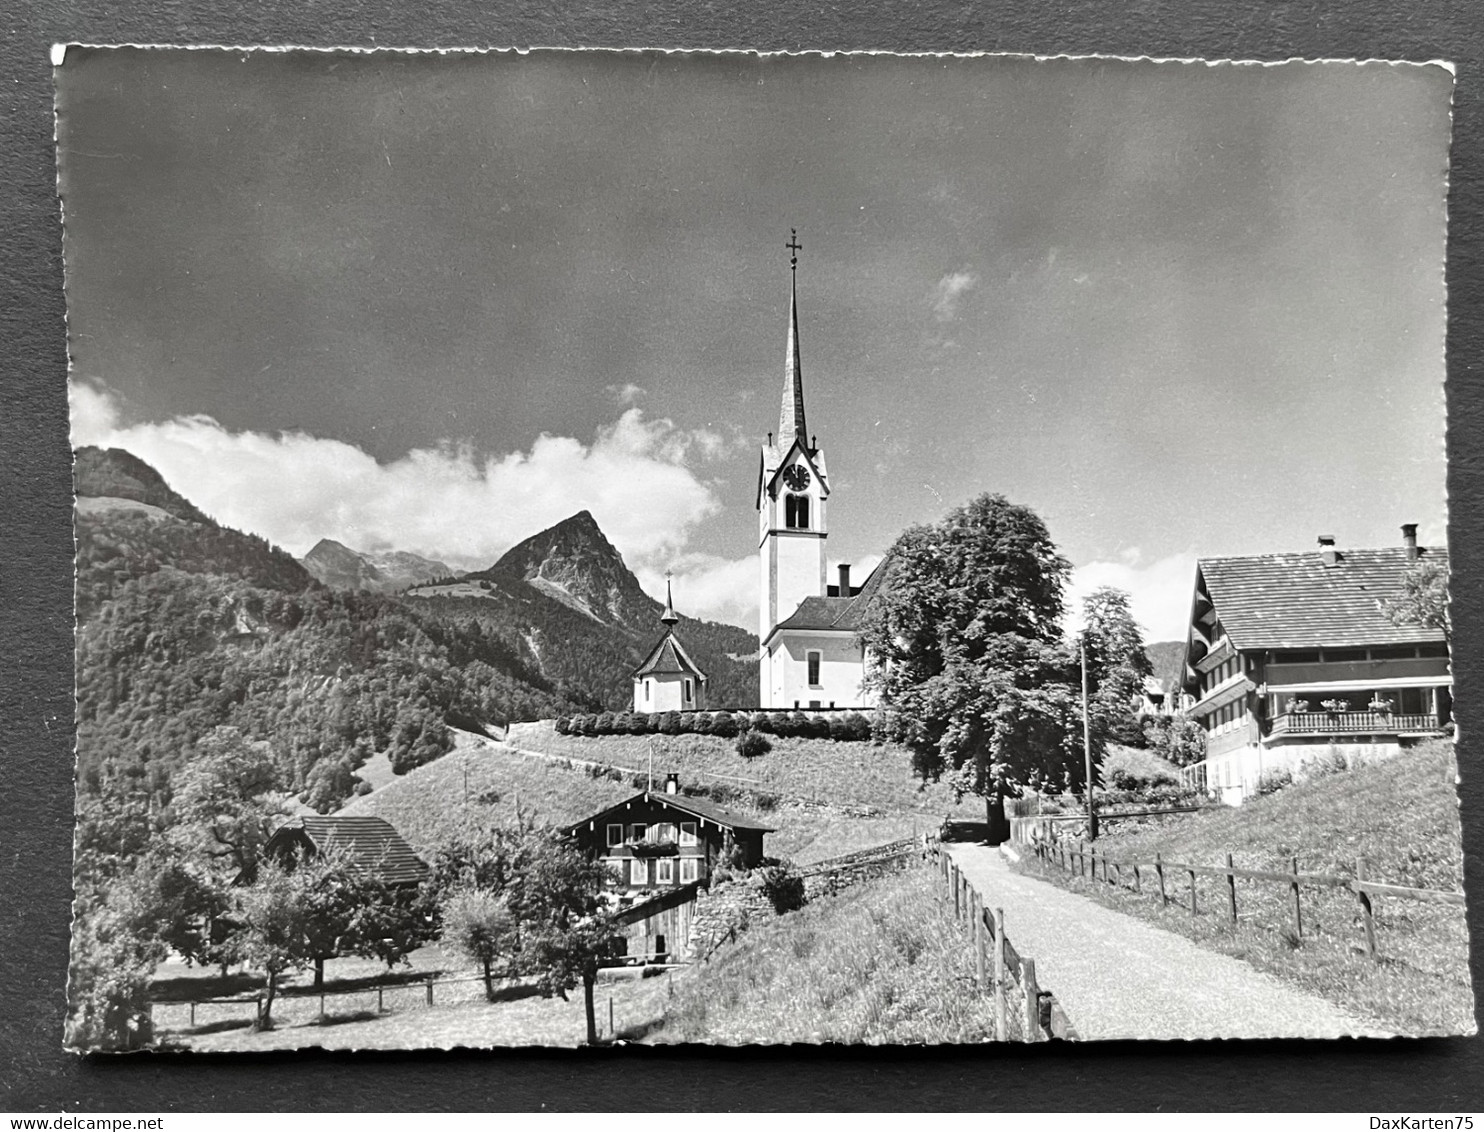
(626, 394)
(448, 502)
(1159, 591)
(950, 289)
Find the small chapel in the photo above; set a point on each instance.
(669, 680)
(811, 656)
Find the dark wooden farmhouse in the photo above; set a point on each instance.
(656, 841)
(661, 850)
(371, 846)
(1291, 656)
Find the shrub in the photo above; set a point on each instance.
(817, 726)
(724, 725)
(604, 724)
(587, 726)
(753, 745)
(562, 723)
(669, 723)
(1273, 780)
(652, 722)
(686, 723)
(623, 722)
(783, 888)
(763, 722)
(702, 725)
(1332, 761)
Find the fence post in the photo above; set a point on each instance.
(610, 1016)
(957, 878)
(1365, 908)
(980, 943)
(1032, 1000)
(1081, 859)
(1231, 887)
(1159, 870)
(193, 1015)
(1192, 890)
(1138, 883)
(1298, 920)
(321, 1008)
(379, 1009)
(430, 992)
(1001, 990)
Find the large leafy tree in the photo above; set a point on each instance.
(1117, 664)
(972, 668)
(526, 898)
(1423, 599)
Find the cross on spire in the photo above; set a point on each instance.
(793, 246)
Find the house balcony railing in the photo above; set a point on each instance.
(1352, 723)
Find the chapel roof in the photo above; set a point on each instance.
(669, 658)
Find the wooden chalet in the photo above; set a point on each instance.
(371, 846)
(659, 840)
(1289, 655)
(661, 849)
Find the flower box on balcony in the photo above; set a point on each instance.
(654, 848)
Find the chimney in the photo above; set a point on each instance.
(1327, 552)
(672, 783)
(1409, 540)
(845, 579)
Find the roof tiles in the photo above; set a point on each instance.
(1275, 601)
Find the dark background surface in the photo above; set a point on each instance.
(35, 597)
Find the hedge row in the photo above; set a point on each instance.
(726, 724)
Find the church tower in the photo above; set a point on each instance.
(792, 494)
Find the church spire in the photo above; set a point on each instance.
(669, 616)
(791, 419)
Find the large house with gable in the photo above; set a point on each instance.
(1292, 655)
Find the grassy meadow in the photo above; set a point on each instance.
(433, 801)
(846, 773)
(880, 963)
(1400, 814)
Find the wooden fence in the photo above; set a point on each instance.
(1084, 860)
(285, 1002)
(1024, 1012)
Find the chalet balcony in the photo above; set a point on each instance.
(1353, 723)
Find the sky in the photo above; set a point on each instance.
(440, 302)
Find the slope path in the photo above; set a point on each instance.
(1118, 977)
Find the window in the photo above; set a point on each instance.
(688, 833)
(615, 834)
(637, 831)
(1344, 654)
(665, 831)
(687, 689)
(688, 869)
(615, 869)
(664, 871)
(638, 871)
(646, 691)
(796, 512)
(812, 657)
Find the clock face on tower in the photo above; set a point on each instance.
(797, 477)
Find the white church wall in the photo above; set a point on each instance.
(840, 671)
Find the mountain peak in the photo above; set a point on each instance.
(575, 563)
(115, 473)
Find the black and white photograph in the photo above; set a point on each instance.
(591, 548)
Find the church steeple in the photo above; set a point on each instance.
(791, 424)
(669, 616)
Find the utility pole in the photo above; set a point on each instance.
(1092, 817)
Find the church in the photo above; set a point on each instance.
(810, 654)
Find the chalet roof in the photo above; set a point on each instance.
(695, 807)
(1270, 601)
(372, 845)
(669, 658)
(847, 613)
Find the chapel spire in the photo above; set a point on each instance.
(669, 616)
(791, 419)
